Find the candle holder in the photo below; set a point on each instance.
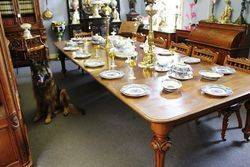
(149, 57)
(132, 65)
(107, 11)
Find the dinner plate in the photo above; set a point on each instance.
(124, 55)
(217, 90)
(179, 77)
(223, 70)
(93, 63)
(210, 75)
(81, 55)
(190, 60)
(112, 74)
(162, 52)
(135, 90)
(171, 85)
(69, 48)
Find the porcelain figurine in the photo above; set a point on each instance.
(26, 33)
(76, 15)
(227, 14)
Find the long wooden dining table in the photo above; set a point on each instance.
(165, 111)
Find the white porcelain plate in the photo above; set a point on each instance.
(210, 75)
(171, 85)
(217, 90)
(162, 51)
(93, 63)
(81, 55)
(190, 60)
(111, 74)
(135, 90)
(223, 70)
(124, 55)
(179, 77)
(69, 48)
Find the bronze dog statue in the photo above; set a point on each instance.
(49, 97)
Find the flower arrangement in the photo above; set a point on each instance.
(191, 16)
(59, 28)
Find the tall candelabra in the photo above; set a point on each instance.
(107, 11)
(149, 58)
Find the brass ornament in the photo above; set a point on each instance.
(149, 58)
(47, 14)
(227, 14)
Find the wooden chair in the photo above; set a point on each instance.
(205, 55)
(160, 42)
(242, 64)
(139, 37)
(181, 48)
(128, 28)
(82, 34)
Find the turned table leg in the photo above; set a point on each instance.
(246, 130)
(160, 143)
(62, 60)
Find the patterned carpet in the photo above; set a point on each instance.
(112, 135)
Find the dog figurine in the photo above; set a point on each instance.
(49, 97)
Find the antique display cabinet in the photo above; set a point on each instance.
(14, 14)
(14, 146)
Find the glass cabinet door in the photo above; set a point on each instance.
(27, 11)
(7, 11)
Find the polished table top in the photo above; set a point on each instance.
(162, 107)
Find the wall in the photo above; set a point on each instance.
(59, 8)
(203, 9)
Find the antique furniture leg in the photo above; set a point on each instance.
(62, 59)
(239, 118)
(227, 113)
(225, 124)
(160, 143)
(246, 130)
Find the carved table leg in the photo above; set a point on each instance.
(246, 130)
(160, 142)
(62, 59)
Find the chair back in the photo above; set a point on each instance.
(205, 55)
(82, 34)
(181, 48)
(139, 37)
(160, 42)
(128, 28)
(242, 64)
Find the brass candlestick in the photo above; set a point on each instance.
(107, 11)
(149, 57)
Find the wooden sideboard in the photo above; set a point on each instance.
(14, 146)
(181, 35)
(227, 39)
